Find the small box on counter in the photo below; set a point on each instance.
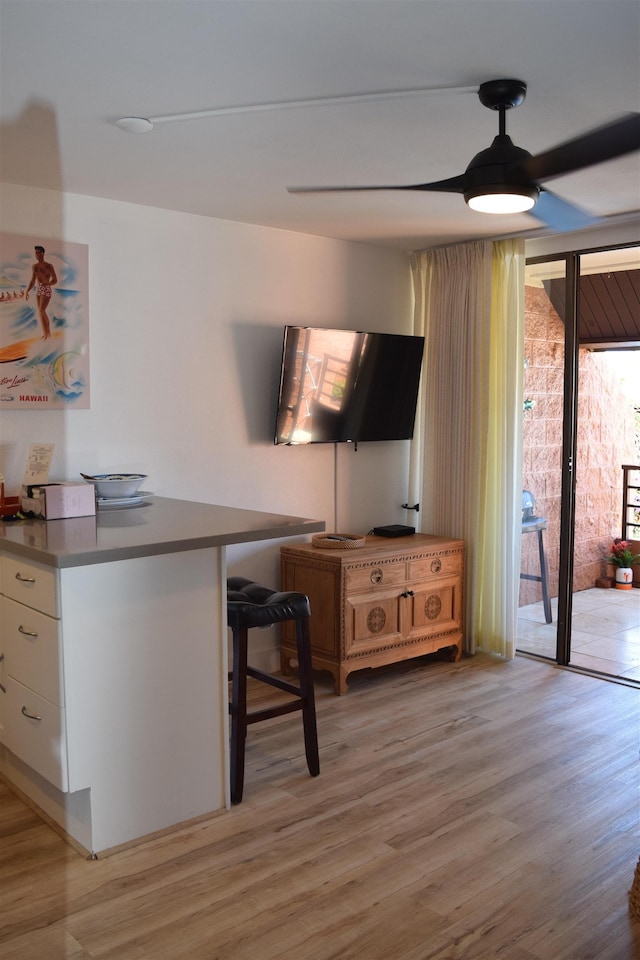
(57, 501)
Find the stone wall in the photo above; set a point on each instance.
(606, 434)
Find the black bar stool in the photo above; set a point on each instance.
(531, 524)
(251, 605)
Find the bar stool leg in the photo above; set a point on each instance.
(305, 680)
(544, 577)
(238, 711)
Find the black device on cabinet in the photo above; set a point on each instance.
(347, 386)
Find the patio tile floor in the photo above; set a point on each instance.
(605, 631)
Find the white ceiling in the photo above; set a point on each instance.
(70, 68)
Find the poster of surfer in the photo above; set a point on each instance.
(44, 323)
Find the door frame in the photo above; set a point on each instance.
(571, 260)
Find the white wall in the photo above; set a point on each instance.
(186, 323)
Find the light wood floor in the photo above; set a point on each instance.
(468, 811)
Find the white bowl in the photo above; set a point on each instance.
(116, 485)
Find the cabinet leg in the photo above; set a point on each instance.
(455, 652)
(285, 664)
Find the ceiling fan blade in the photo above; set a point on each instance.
(561, 215)
(599, 145)
(451, 185)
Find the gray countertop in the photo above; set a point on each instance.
(161, 525)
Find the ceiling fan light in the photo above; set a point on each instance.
(502, 199)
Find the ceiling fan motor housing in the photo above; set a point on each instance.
(502, 93)
(497, 170)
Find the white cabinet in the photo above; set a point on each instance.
(115, 701)
(33, 714)
(35, 732)
(113, 633)
(33, 649)
(31, 583)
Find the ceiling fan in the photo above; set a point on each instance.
(505, 178)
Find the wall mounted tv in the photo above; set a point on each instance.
(347, 386)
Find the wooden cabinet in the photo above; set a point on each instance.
(390, 600)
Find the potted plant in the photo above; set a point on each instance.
(623, 559)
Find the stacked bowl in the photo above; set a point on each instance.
(117, 489)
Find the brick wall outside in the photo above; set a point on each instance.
(606, 432)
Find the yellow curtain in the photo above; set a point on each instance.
(466, 452)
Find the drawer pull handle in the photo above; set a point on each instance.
(436, 565)
(376, 576)
(26, 633)
(31, 716)
(25, 579)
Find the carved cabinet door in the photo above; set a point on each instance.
(372, 622)
(436, 607)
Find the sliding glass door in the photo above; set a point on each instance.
(605, 622)
(542, 413)
(582, 364)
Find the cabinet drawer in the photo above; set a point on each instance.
(435, 566)
(375, 576)
(32, 648)
(38, 740)
(31, 583)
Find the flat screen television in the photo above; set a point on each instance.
(347, 386)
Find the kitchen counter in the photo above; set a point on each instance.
(113, 675)
(161, 525)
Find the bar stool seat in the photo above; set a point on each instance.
(249, 604)
(538, 525)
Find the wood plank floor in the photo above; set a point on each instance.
(468, 811)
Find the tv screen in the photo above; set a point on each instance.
(347, 386)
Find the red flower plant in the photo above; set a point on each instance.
(621, 555)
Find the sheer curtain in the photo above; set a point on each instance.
(466, 453)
